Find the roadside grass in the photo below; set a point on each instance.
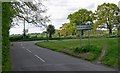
(91, 52)
(68, 46)
(0, 55)
(111, 56)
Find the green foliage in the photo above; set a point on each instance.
(7, 14)
(105, 15)
(68, 29)
(34, 38)
(15, 38)
(80, 17)
(0, 36)
(50, 30)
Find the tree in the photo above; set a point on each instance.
(116, 21)
(81, 17)
(50, 30)
(105, 16)
(68, 29)
(31, 13)
(64, 30)
(58, 33)
(71, 29)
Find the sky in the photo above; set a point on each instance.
(58, 10)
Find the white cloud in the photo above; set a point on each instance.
(91, 6)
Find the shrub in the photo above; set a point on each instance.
(15, 38)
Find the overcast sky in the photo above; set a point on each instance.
(60, 9)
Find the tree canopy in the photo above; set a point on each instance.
(80, 17)
(50, 30)
(68, 28)
(105, 16)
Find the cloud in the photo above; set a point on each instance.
(56, 3)
(91, 6)
(57, 22)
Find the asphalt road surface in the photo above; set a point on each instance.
(25, 56)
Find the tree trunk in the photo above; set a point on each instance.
(118, 31)
(59, 35)
(110, 31)
(50, 35)
(47, 36)
(24, 34)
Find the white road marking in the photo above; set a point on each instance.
(40, 58)
(28, 50)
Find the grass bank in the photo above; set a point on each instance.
(68, 46)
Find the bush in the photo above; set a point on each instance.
(15, 38)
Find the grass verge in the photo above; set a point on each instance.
(68, 46)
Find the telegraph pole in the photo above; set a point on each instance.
(24, 35)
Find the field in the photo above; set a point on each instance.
(109, 45)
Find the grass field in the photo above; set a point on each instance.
(68, 47)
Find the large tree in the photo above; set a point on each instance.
(50, 30)
(81, 17)
(105, 16)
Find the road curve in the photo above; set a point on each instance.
(25, 56)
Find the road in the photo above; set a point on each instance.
(25, 56)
